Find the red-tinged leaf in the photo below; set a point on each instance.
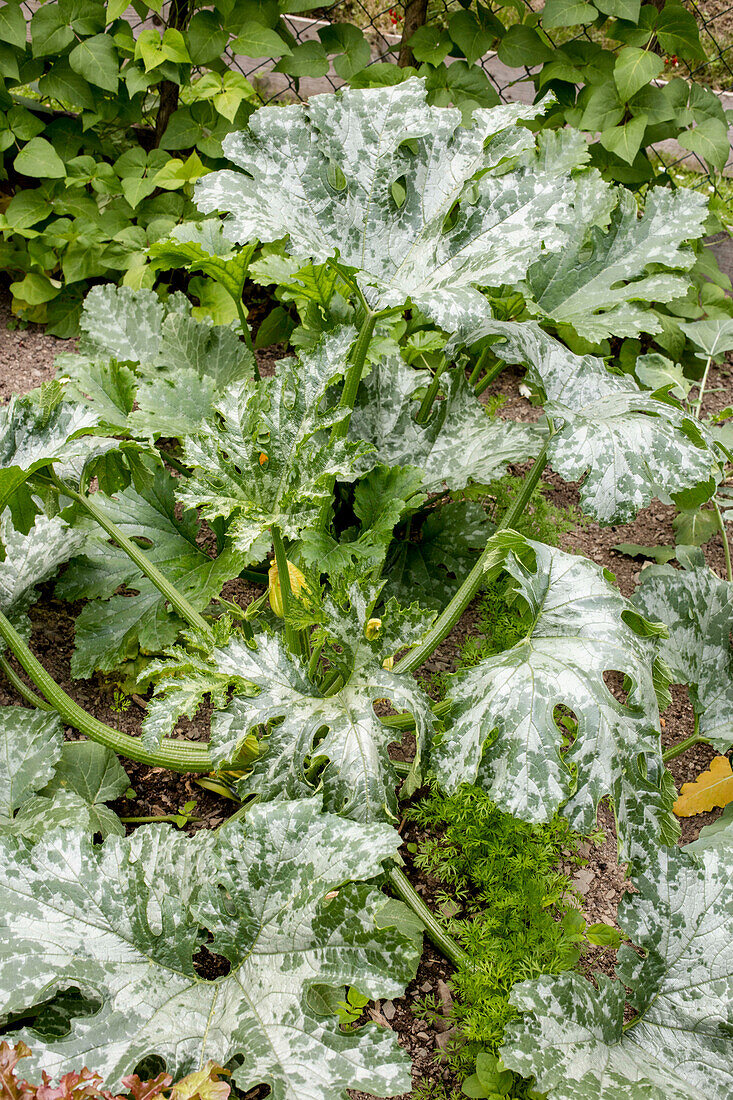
(145, 1090)
(9, 1058)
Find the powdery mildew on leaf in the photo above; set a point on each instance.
(459, 443)
(502, 733)
(680, 1045)
(598, 283)
(697, 607)
(323, 173)
(628, 445)
(269, 458)
(124, 921)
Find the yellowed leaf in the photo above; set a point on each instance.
(712, 788)
(204, 1084)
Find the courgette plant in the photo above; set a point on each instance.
(399, 230)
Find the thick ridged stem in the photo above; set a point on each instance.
(446, 944)
(179, 756)
(689, 743)
(13, 678)
(483, 571)
(178, 602)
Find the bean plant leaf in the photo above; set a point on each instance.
(272, 688)
(459, 443)
(46, 783)
(600, 282)
(269, 458)
(503, 731)
(629, 444)
(31, 559)
(113, 627)
(697, 607)
(205, 247)
(129, 917)
(573, 1038)
(324, 174)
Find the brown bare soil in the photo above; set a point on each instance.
(26, 359)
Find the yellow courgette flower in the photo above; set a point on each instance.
(298, 587)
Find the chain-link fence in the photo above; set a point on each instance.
(387, 27)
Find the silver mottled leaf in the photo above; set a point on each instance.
(32, 437)
(679, 1046)
(502, 732)
(323, 173)
(600, 282)
(628, 444)
(459, 443)
(124, 921)
(697, 607)
(45, 783)
(31, 559)
(30, 743)
(273, 687)
(269, 459)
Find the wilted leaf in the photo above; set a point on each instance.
(713, 787)
(127, 921)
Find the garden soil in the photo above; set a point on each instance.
(26, 360)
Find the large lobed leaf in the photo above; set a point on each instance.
(679, 1046)
(324, 174)
(34, 435)
(626, 443)
(697, 607)
(124, 922)
(272, 687)
(112, 627)
(600, 282)
(502, 730)
(269, 458)
(459, 443)
(177, 364)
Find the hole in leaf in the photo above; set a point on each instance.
(567, 723)
(52, 1019)
(618, 684)
(209, 965)
(399, 192)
